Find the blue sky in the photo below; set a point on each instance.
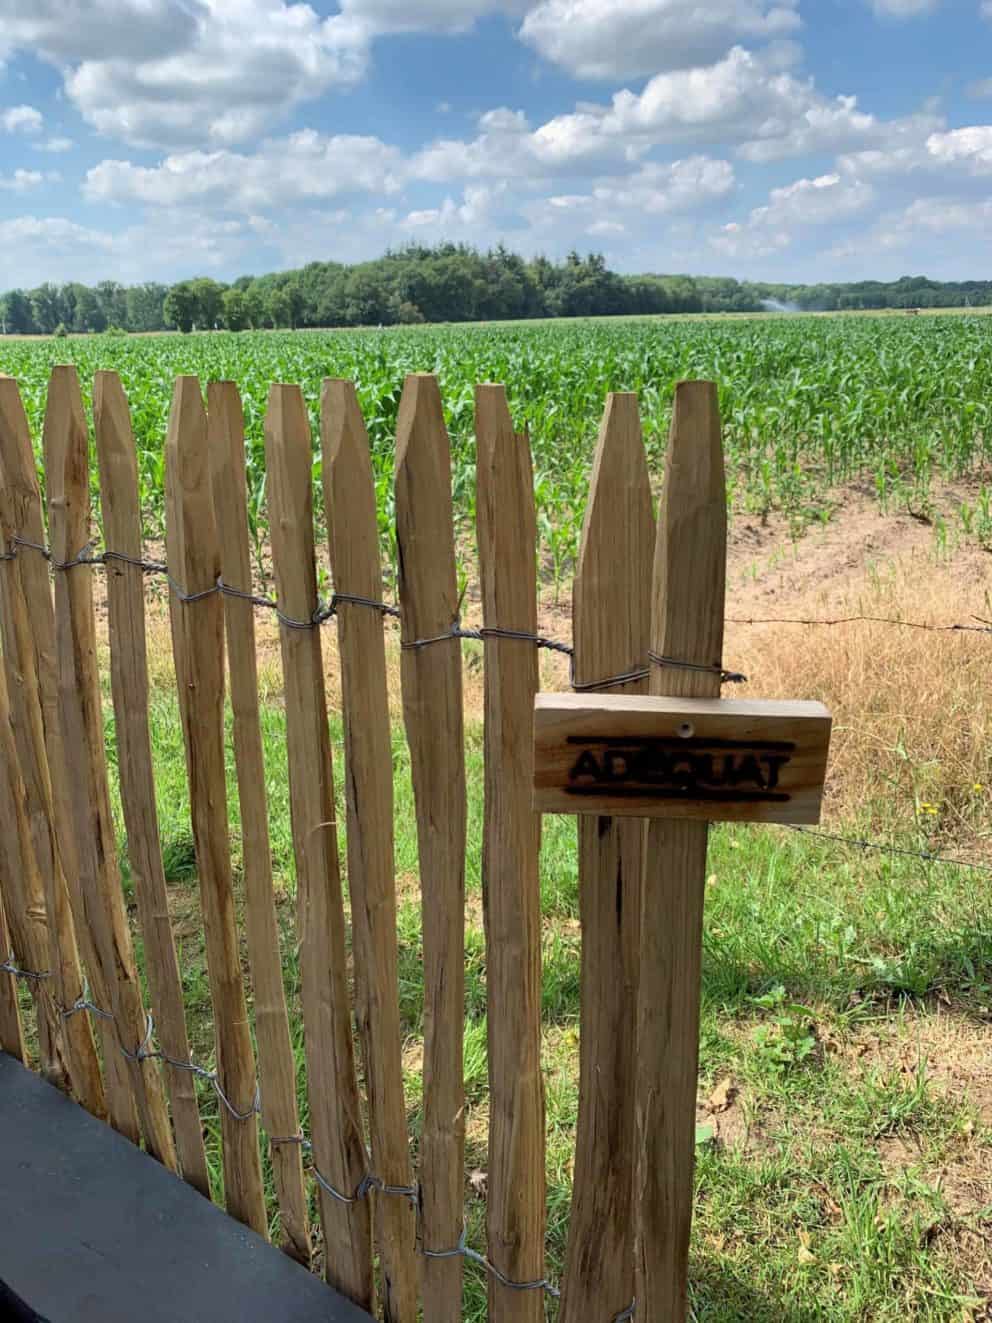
(774, 139)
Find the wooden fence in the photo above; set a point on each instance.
(393, 1237)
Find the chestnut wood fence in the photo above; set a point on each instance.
(392, 1231)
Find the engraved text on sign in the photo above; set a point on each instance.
(708, 759)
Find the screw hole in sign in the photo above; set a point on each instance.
(687, 730)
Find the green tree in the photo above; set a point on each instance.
(112, 298)
(16, 313)
(47, 308)
(280, 308)
(87, 314)
(144, 307)
(235, 312)
(254, 303)
(209, 302)
(181, 306)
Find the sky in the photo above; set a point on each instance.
(794, 140)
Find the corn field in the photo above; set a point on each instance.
(807, 402)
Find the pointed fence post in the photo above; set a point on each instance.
(353, 540)
(67, 474)
(611, 627)
(511, 888)
(276, 1064)
(432, 706)
(335, 1110)
(31, 671)
(121, 507)
(687, 626)
(193, 554)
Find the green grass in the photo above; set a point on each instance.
(806, 401)
(811, 953)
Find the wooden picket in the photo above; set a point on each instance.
(391, 1239)
(198, 646)
(353, 538)
(29, 659)
(335, 1113)
(66, 448)
(432, 706)
(610, 628)
(507, 536)
(686, 625)
(276, 1064)
(121, 509)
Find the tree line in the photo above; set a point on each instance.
(446, 283)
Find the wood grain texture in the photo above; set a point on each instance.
(611, 625)
(121, 508)
(67, 480)
(193, 555)
(24, 893)
(704, 759)
(507, 539)
(29, 660)
(276, 1064)
(11, 1029)
(353, 540)
(432, 709)
(687, 623)
(335, 1113)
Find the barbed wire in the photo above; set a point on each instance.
(881, 847)
(88, 556)
(983, 626)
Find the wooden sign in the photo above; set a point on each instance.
(711, 760)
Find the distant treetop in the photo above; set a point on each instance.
(447, 283)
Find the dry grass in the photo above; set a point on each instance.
(912, 709)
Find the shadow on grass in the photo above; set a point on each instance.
(720, 1295)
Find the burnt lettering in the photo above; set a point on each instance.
(697, 768)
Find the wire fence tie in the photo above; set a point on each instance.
(144, 1051)
(353, 599)
(726, 677)
(83, 557)
(84, 1004)
(11, 967)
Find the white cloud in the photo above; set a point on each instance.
(969, 147)
(741, 99)
(188, 72)
(206, 73)
(939, 216)
(21, 119)
(304, 166)
(789, 211)
(630, 204)
(656, 189)
(904, 8)
(628, 38)
(929, 218)
(21, 181)
(380, 16)
(473, 210)
(55, 145)
(987, 9)
(41, 248)
(70, 31)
